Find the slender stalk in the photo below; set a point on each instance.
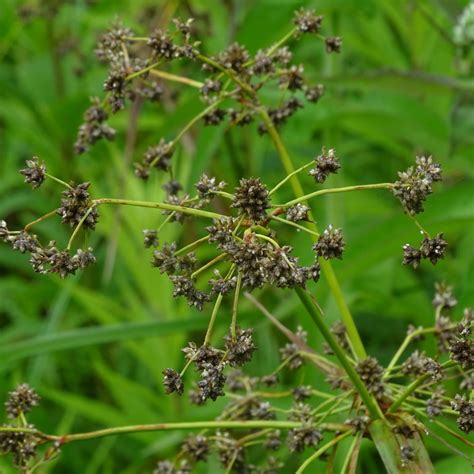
(224, 194)
(227, 72)
(159, 205)
(408, 391)
(142, 71)
(334, 407)
(404, 345)
(313, 311)
(235, 305)
(353, 450)
(215, 310)
(208, 264)
(322, 450)
(192, 425)
(294, 224)
(78, 226)
(346, 316)
(60, 181)
(40, 219)
(289, 176)
(361, 187)
(175, 78)
(192, 245)
(210, 326)
(413, 386)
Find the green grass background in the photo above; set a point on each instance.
(94, 345)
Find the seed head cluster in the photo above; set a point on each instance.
(371, 373)
(330, 244)
(75, 204)
(34, 173)
(420, 364)
(430, 249)
(325, 164)
(465, 408)
(415, 184)
(251, 198)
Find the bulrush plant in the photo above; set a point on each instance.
(394, 406)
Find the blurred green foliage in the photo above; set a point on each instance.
(94, 345)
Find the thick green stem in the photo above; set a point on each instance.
(346, 189)
(346, 316)
(387, 446)
(159, 205)
(313, 311)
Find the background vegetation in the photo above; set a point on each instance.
(94, 346)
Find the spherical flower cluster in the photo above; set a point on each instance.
(94, 127)
(34, 173)
(465, 408)
(371, 373)
(325, 164)
(21, 401)
(307, 21)
(415, 184)
(251, 198)
(430, 249)
(330, 244)
(75, 204)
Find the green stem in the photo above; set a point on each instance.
(413, 386)
(322, 450)
(210, 326)
(404, 345)
(289, 176)
(346, 316)
(60, 181)
(78, 226)
(192, 425)
(209, 264)
(294, 224)
(353, 450)
(313, 311)
(235, 305)
(215, 310)
(174, 78)
(228, 72)
(159, 205)
(142, 71)
(361, 187)
(40, 219)
(192, 245)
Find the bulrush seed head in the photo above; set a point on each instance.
(251, 198)
(21, 400)
(307, 21)
(330, 244)
(325, 164)
(371, 373)
(34, 172)
(75, 203)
